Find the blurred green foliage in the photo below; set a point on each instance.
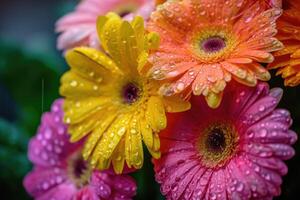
(30, 85)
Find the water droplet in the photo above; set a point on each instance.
(68, 120)
(48, 133)
(74, 83)
(263, 132)
(95, 87)
(45, 185)
(59, 179)
(180, 86)
(240, 187)
(91, 74)
(261, 108)
(248, 19)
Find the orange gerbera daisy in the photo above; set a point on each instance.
(288, 59)
(205, 43)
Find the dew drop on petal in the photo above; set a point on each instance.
(74, 83)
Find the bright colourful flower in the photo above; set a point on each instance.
(288, 59)
(60, 172)
(109, 100)
(78, 28)
(233, 152)
(204, 44)
(267, 4)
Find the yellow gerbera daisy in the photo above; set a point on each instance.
(110, 101)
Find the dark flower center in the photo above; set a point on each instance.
(130, 93)
(80, 166)
(124, 13)
(217, 143)
(213, 44)
(216, 140)
(79, 170)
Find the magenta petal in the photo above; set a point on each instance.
(86, 193)
(202, 185)
(217, 186)
(61, 192)
(271, 163)
(124, 185)
(269, 132)
(260, 109)
(41, 180)
(193, 183)
(237, 187)
(280, 115)
(182, 186)
(178, 172)
(51, 146)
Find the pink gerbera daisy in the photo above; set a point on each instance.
(78, 28)
(60, 172)
(233, 152)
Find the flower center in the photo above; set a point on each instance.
(217, 144)
(80, 166)
(216, 141)
(130, 93)
(79, 170)
(123, 13)
(126, 9)
(213, 44)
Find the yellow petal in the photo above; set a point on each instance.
(103, 163)
(101, 21)
(156, 142)
(155, 113)
(155, 151)
(118, 157)
(109, 34)
(135, 147)
(147, 133)
(76, 111)
(92, 64)
(153, 40)
(75, 86)
(142, 60)
(83, 128)
(154, 154)
(111, 137)
(138, 26)
(214, 100)
(95, 136)
(176, 104)
(129, 47)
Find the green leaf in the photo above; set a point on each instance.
(31, 81)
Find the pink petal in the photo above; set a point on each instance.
(262, 107)
(40, 181)
(217, 186)
(86, 193)
(61, 192)
(202, 185)
(50, 147)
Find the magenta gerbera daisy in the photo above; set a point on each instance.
(60, 172)
(233, 152)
